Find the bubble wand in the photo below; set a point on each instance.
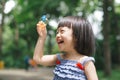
(44, 21)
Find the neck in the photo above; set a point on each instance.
(72, 55)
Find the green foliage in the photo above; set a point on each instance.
(26, 14)
(114, 76)
(99, 55)
(13, 54)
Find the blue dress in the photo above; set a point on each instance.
(70, 69)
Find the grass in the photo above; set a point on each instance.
(115, 75)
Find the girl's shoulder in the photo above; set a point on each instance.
(86, 59)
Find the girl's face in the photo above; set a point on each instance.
(64, 39)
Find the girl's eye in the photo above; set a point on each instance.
(62, 31)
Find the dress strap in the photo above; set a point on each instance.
(85, 60)
(59, 57)
(82, 63)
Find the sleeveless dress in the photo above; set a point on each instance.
(70, 69)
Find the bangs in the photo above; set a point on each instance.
(65, 22)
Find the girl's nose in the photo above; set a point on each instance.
(58, 35)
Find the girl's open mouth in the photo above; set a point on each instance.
(60, 42)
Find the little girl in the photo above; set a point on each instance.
(76, 42)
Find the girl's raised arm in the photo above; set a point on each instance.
(39, 57)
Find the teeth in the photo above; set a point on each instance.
(60, 42)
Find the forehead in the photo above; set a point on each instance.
(65, 28)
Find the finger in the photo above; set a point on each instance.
(37, 25)
(40, 22)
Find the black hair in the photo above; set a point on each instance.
(83, 37)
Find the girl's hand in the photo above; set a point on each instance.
(41, 29)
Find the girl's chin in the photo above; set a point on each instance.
(62, 51)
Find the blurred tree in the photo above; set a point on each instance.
(107, 7)
(111, 32)
(117, 18)
(115, 34)
(2, 6)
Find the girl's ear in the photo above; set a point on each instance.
(74, 40)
